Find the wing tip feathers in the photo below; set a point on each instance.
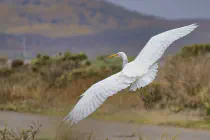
(194, 25)
(68, 119)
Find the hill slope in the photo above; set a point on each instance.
(66, 17)
(95, 27)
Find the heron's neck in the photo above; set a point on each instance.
(125, 60)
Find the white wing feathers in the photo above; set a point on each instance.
(145, 79)
(153, 50)
(157, 45)
(96, 95)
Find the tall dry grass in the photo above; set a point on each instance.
(28, 134)
(184, 79)
(47, 81)
(183, 82)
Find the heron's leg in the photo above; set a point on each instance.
(151, 93)
(142, 96)
(143, 99)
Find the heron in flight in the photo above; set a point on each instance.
(136, 74)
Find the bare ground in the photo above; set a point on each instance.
(100, 129)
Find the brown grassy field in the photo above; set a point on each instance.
(53, 85)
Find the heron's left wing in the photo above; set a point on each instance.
(157, 45)
(96, 95)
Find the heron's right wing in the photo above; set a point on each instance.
(96, 95)
(157, 45)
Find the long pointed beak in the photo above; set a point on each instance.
(113, 55)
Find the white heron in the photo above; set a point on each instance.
(136, 74)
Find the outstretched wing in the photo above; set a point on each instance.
(145, 79)
(157, 45)
(96, 95)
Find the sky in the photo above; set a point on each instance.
(169, 9)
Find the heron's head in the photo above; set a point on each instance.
(119, 54)
(122, 55)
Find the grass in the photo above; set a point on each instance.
(32, 133)
(160, 117)
(65, 134)
(29, 134)
(51, 85)
(200, 124)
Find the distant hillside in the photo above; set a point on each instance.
(92, 26)
(64, 18)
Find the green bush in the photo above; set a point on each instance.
(38, 56)
(81, 56)
(41, 60)
(5, 71)
(194, 50)
(87, 63)
(78, 73)
(17, 63)
(208, 111)
(28, 134)
(45, 57)
(34, 68)
(3, 60)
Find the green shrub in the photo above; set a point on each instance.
(91, 72)
(28, 134)
(41, 60)
(81, 57)
(17, 63)
(5, 71)
(87, 63)
(38, 56)
(34, 68)
(66, 56)
(3, 60)
(208, 111)
(45, 57)
(78, 73)
(194, 50)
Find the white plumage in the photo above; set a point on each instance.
(145, 79)
(136, 74)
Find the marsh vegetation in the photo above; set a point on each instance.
(53, 84)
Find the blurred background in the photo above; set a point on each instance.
(51, 51)
(95, 26)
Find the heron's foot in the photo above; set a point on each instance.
(145, 106)
(143, 99)
(145, 102)
(151, 94)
